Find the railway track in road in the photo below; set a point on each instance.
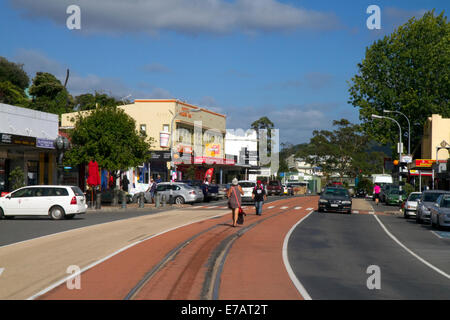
(203, 256)
(192, 262)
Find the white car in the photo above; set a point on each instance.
(410, 206)
(58, 202)
(247, 186)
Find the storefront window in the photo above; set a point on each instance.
(2, 175)
(33, 172)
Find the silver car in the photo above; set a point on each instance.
(181, 192)
(426, 202)
(411, 203)
(440, 212)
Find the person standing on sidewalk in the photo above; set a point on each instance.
(234, 199)
(376, 193)
(259, 196)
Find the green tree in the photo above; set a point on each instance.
(89, 101)
(342, 152)
(17, 178)
(406, 71)
(49, 95)
(13, 82)
(14, 73)
(109, 136)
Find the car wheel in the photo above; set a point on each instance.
(438, 224)
(179, 200)
(405, 215)
(418, 220)
(2, 215)
(69, 216)
(57, 213)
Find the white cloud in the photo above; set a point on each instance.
(182, 16)
(400, 16)
(35, 61)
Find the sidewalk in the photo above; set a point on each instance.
(360, 204)
(135, 206)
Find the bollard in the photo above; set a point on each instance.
(163, 200)
(124, 200)
(98, 201)
(141, 200)
(157, 200)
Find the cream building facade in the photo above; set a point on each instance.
(436, 130)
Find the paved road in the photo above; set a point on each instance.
(330, 254)
(26, 228)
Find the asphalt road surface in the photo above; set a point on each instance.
(331, 253)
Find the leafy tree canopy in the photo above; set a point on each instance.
(12, 94)
(109, 136)
(14, 73)
(344, 151)
(407, 71)
(89, 101)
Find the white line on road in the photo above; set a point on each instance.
(291, 273)
(310, 209)
(53, 286)
(411, 252)
(271, 207)
(436, 234)
(284, 207)
(297, 208)
(356, 211)
(211, 207)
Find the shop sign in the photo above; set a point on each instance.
(424, 163)
(16, 139)
(212, 149)
(160, 155)
(420, 172)
(44, 143)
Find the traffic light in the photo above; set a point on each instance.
(403, 168)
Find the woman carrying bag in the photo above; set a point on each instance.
(234, 200)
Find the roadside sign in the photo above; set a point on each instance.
(420, 172)
(406, 159)
(424, 163)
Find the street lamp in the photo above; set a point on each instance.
(374, 116)
(409, 127)
(61, 145)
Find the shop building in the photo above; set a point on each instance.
(26, 141)
(198, 137)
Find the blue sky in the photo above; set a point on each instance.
(288, 60)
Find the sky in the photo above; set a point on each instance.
(291, 61)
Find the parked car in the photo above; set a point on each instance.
(210, 191)
(274, 187)
(247, 186)
(427, 200)
(360, 193)
(385, 190)
(181, 192)
(223, 188)
(335, 199)
(57, 202)
(393, 196)
(410, 206)
(440, 212)
(287, 190)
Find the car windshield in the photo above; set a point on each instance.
(446, 202)
(336, 192)
(396, 192)
(273, 183)
(431, 196)
(247, 184)
(414, 196)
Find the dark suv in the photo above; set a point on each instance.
(274, 187)
(335, 199)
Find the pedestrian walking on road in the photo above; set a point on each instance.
(376, 193)
(259, 196)
(234, 199)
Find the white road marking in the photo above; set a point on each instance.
(372, 212)
(411, 252)
(271, 207)
(436, 234)
(310, 209)
(56, 284)
(356, 211)
(1, 270)
(284, 207)
(297, 208)
(211, 207)
(291, 273)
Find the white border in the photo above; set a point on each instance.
(301, 289)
